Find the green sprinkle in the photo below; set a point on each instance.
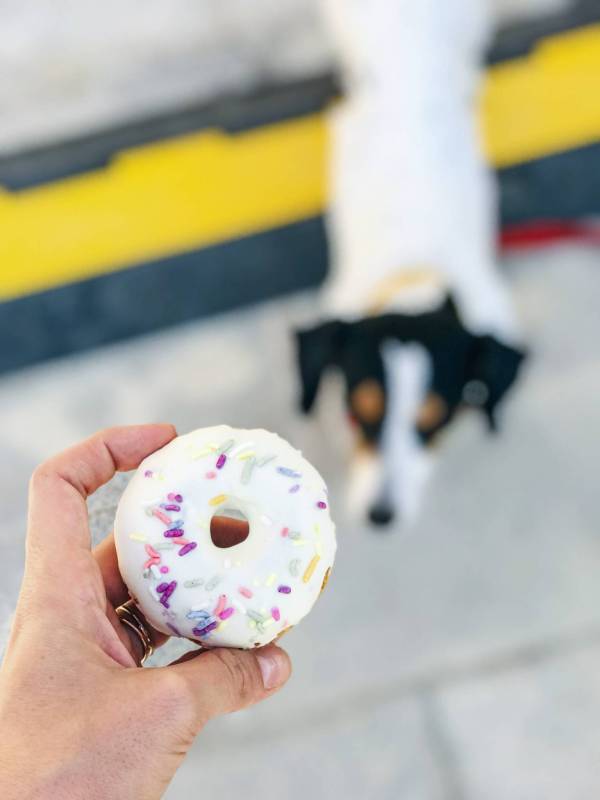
(214, 581)
(193, 582)
(163, 546)
(226, 446)
(255, 615)
(265, 460)
(249, 465)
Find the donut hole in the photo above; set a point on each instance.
(229, 527)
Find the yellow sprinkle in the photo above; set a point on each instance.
(308, 573)
(317, 529)
(223, 624)
(216, 501)
(160, 476)
(138, 537)
(271, 579)
(268, 622)
(318, 549)
(245, 456)
(299, 542)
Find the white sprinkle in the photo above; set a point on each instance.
(241, 447)
(156, 572)
(153, 594)
(193, 582)
(227, 563)
(266, 520)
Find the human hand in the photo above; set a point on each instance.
(78, 719)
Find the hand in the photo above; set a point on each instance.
(78, 719)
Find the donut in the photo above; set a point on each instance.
(224, 536)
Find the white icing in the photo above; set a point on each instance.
(261, 564)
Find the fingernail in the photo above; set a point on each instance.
(273, 667)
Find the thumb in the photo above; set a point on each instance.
(222, 680)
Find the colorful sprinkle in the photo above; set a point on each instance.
(148, 473)
(308, 573)
(170, 507)
(294, 535)
(137, 537)
(271, 579)
(226, 613)
(188, 548)
(205, 631)
(289, 473)
(214, 581)
(276, 614)
(295, 488)
(246, 456)
(179, 541)
(176, 497)
(155, 571)
(193, 583)
(162, 588)
(199, 613)
(164, 569)
(173, 533)
(151, 562)
(226, 446)
(321, 504)
(210, 475)
(216, 501)
(248, 469)
(221, 461)
(245, 592)
(265, 460)
(163, 545)
(241, 447)
(162, 517)
(255, 615)
(284, 589)
(267, 520)
(285, 531)
(206, 451)
(294, 567)
(220, 607)
(151, 551)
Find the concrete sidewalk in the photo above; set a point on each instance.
(458, 660)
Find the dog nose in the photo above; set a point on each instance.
(381, 514)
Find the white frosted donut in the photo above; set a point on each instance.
(240, 596)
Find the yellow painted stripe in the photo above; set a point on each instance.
(192, 191)
(546, 102)
(181, 194)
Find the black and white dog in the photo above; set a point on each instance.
(406, 377)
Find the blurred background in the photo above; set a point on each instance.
(162, 191)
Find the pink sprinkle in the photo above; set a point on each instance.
(171, 507)
(161, 516)
(210, 475)
(176, 497)
(226, 613)
(188, 548)
(151, 551)
(164, 570)
(148, 473)
(220, 605)
(151, 562)
(284, 589)
(285, 531)
(321, 504)
(221, 461)
(275, 613)
(245, 592)
(179, 541)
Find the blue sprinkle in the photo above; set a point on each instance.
(289, 473)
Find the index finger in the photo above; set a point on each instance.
(58, 516)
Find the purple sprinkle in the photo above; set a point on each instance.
(187, 548)
(226, 613)
(284, 589)
(164, 600)
(170, 507)
(289, 473)
(321, 504)
(205, 631)
(173, 533)
(295, 488)
(221, 461)
(172, 627)
(148, 473)
(162, 587)
(170, 589)
(176, 497)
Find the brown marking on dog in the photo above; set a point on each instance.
(367, 401)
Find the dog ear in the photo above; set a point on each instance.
(317, 349)
(493, 369)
